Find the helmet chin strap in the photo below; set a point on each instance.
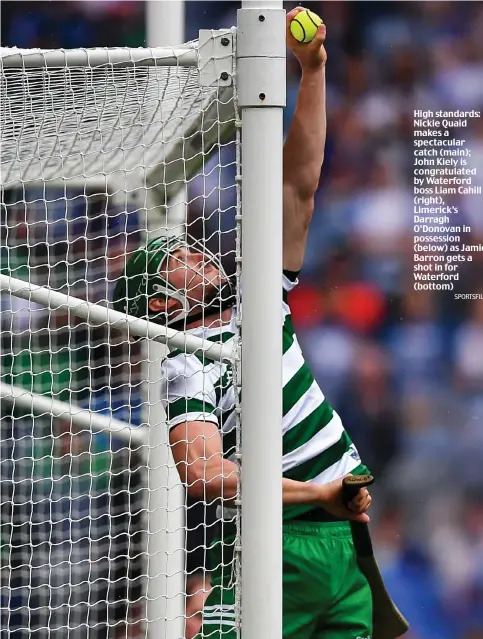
(170, 293)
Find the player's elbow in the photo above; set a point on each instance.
(201, 482)
(301, 218)
(307, 189)
(298, 204)
(205, 478)
(302, 182)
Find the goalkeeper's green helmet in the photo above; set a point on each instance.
(145, 278)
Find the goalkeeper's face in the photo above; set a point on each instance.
(193, 276)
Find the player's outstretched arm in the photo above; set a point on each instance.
(304, 146)
(197, 452)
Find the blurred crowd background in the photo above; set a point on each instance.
(403, 369)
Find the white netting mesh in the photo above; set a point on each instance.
(71, 122)
(91, 548)
(93, 115)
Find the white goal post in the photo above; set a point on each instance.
(99, 315)
(135, 127)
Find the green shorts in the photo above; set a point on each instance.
(325, 596)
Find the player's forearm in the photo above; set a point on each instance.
(304, 147)
(218, 478)
(300, 492)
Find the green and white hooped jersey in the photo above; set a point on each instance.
(315, 445)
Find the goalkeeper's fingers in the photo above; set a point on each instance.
(361, 502)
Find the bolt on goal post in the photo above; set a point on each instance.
(125, 122)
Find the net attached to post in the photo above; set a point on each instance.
(121, 114)
(95, 144)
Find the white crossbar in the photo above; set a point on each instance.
(99, 315)
(39, 404)
(13, 58)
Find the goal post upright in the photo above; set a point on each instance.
(261, 91)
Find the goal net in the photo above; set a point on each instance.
(94, 531)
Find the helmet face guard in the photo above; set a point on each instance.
(144, 278)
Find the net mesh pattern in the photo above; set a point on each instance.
(98, 538)
(81, 122)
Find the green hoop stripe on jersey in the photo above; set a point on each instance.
(323, 461)
(315, 444)
(192, 406)
(307, 428)
(288, 324)
(296, 388)
(287, 338)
